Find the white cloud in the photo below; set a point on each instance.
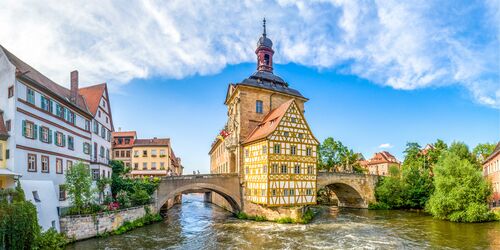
(385, 146)
(405, 45)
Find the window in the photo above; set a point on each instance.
(71, 143)
(103, 132)
(301, 135)
(95, 174)
(275, 169)
(107, 119)
(62, 193)
(86, 148)
(7, 154)
(87, 125)
(273, 192)
(46, 104)
(308, 151)
(29, 129)
(127, 153)
(153, 165)
(11, 91)
(45, 135)
(144, 153)
(262, 192)
(293, 150)
(99, 113)
(107, 154)
(285, 192)
(247, 170)
(59, 166)
(153, 153)
(292, 192)
(35, 196)
(310, 169)
(8, 125)
(294, 119)
(103, 173)
(1, 153)
(162, 165)
(266, 59)
(101, 151)
(264, 169)
(277, 148)
(286, 134)
(60, 139)
(247, 153)
(136, 166)
(297, 169)
(264, 149)
(71, 117)
(69, 164)
(284, 169)
(45, 164)
(144, 166)
(308, 191)
(136, 153)
(59, 111)
(96, 127)
(258, 106)
(30, 96)
(127, 141)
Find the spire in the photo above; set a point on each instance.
(264, 25)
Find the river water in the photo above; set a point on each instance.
(198, 225)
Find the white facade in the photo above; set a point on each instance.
(49, 131)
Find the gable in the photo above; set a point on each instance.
(293, 128)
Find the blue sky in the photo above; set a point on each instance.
(377, 72)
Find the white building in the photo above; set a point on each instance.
(49, 128)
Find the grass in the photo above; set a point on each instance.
(244, 216)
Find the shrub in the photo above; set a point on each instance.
(285, 220)
(306, 217)
(140, 197)
(51, 239)
(124, 200)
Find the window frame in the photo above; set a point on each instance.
(59, 166)
(259, 106)
(35, 169)
(10, 91)
(42, 158)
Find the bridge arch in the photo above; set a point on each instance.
(352, 190)
(226, 186)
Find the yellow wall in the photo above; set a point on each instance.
(283, 188)
(149, 159)
(219, 159)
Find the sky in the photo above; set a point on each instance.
(378, 73)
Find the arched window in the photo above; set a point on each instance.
(258, 106)
(266, 59)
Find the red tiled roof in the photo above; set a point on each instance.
(124, 134)
(4, 134)
(92, 95)
(269, 123)
(152, 142)
(495, 152)
(382, 157)
(28, 72)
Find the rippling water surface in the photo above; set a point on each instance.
(198, 225)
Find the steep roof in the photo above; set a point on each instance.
(269, 123)
(495, 152)
(25, 71)
(92, 95)
(152, 142)
(383, 157)
(4, 134)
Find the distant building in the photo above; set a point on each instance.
(146, 157)
(491, 171)
(380, 163)
(123, 142)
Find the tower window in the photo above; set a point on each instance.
(266, 59)
(258, 106)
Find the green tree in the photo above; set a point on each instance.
(483, 150)
(333, 155)
(79, 186)
(461, 193)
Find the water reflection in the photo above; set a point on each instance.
(197, 225)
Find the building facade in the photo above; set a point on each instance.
(122, 146)
(48, 130)
(491, 171)
(250, 103)
(381, 163)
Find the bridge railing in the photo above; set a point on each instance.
(198, 176)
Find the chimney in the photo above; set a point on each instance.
(74, 85)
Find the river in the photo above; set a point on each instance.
(198, 225)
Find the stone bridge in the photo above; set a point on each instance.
(352, 190)
(226, 185)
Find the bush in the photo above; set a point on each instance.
(285, 220)
(123, 198)
(146, 220)
(51, 239)
(140, 197)
(306, 217)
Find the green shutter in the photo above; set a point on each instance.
(50, 136)
(42, 101)
(35, 129)
(41, 133)
(24, 128)
(51, 103)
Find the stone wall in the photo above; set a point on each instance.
(220, 201)
(88, 226)
(273, 213)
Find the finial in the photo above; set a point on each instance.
(264, 25)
